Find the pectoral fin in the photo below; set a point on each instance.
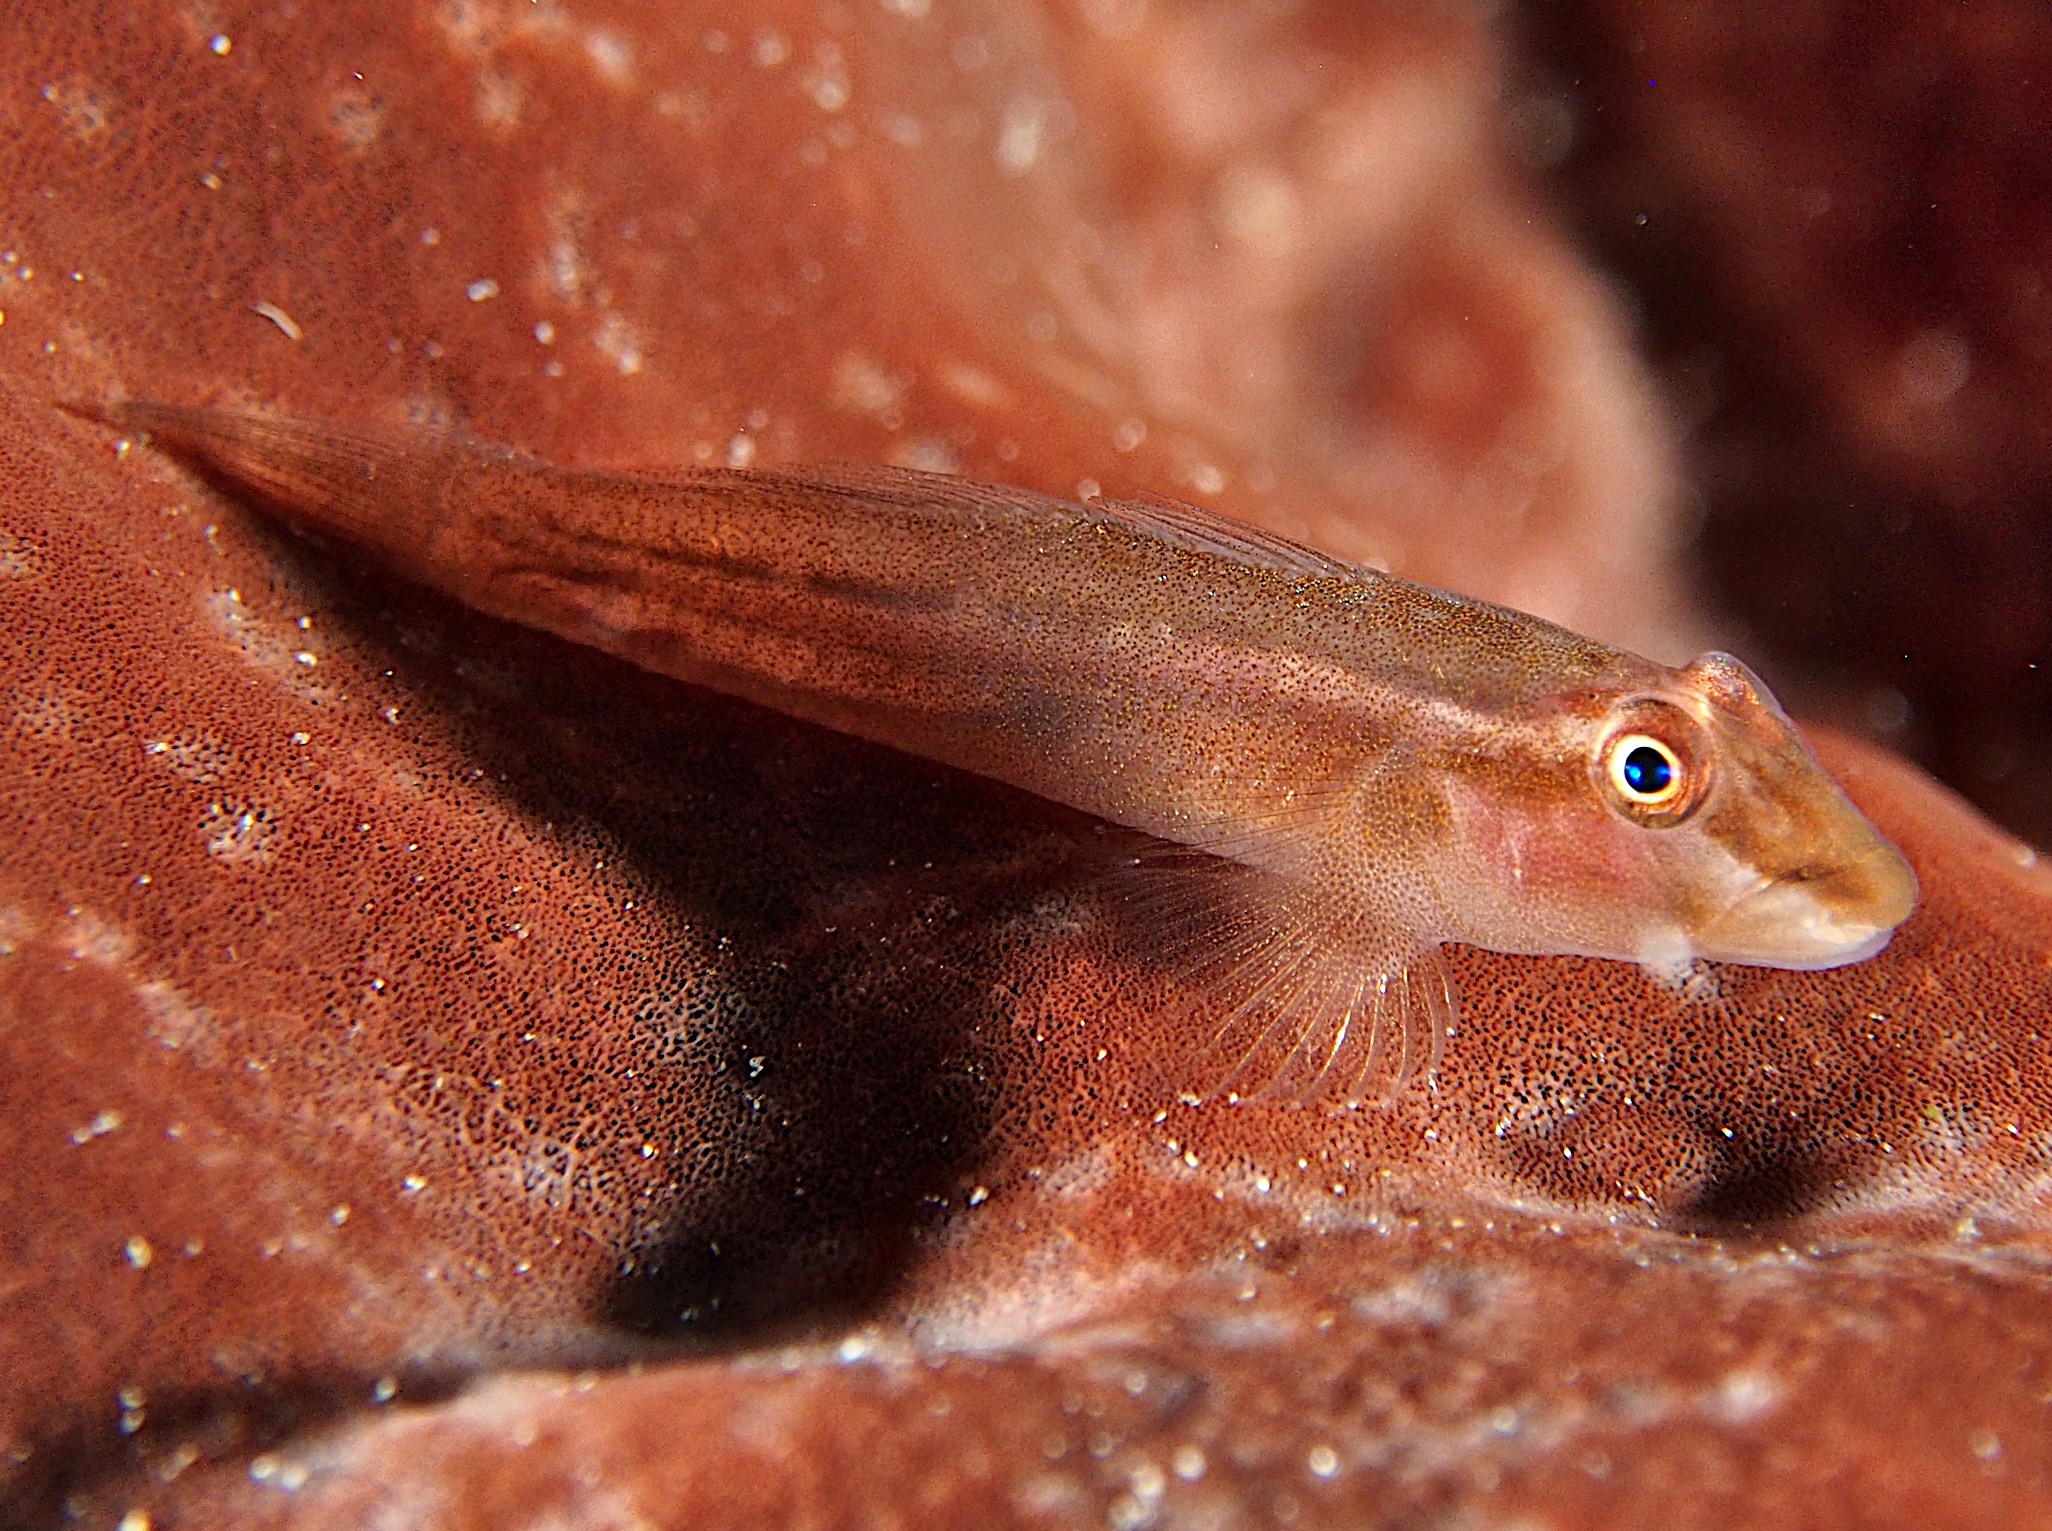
(1285, 1000)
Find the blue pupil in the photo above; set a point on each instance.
(1647, 771)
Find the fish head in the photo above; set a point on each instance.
(1678, 819)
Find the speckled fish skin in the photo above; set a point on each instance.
(1400, 766)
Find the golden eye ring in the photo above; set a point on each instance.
(1653, 762)
(1646, 772)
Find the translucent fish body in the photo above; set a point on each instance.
(1336, 770)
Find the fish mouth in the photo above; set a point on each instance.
(1817, 917)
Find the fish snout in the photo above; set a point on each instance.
(1816, 917)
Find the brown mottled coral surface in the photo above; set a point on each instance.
(452, 1079)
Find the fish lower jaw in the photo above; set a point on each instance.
(1786, 926)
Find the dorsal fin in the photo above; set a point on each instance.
(1185, 526)
(1206, 531)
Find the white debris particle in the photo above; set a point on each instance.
(862, 385)
(134, 1520)
(1207, 479)
(618, 343)
(1743, 1396)
(829, 84)
(384, 1390)
(139, 1252)
(102, 1124)
(741, 451)
(481, 289)
(499, 99)
(612, 57)
(415, 1182)
(979, 1196)
(927, 454)
(855, 1347)
(974, 385)
(545, 333)
(1188, 1462)
(771, 49)
(1323, 1461)
(221, 43)
(1138, 1508)
(278, 316)
(1019, 134)
(340, 1214)
(1130, 434)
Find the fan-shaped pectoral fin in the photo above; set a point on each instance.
(1281, 1000)
(1332, 1025)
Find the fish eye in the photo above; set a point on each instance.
(1644, 770)
(1653, 763)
